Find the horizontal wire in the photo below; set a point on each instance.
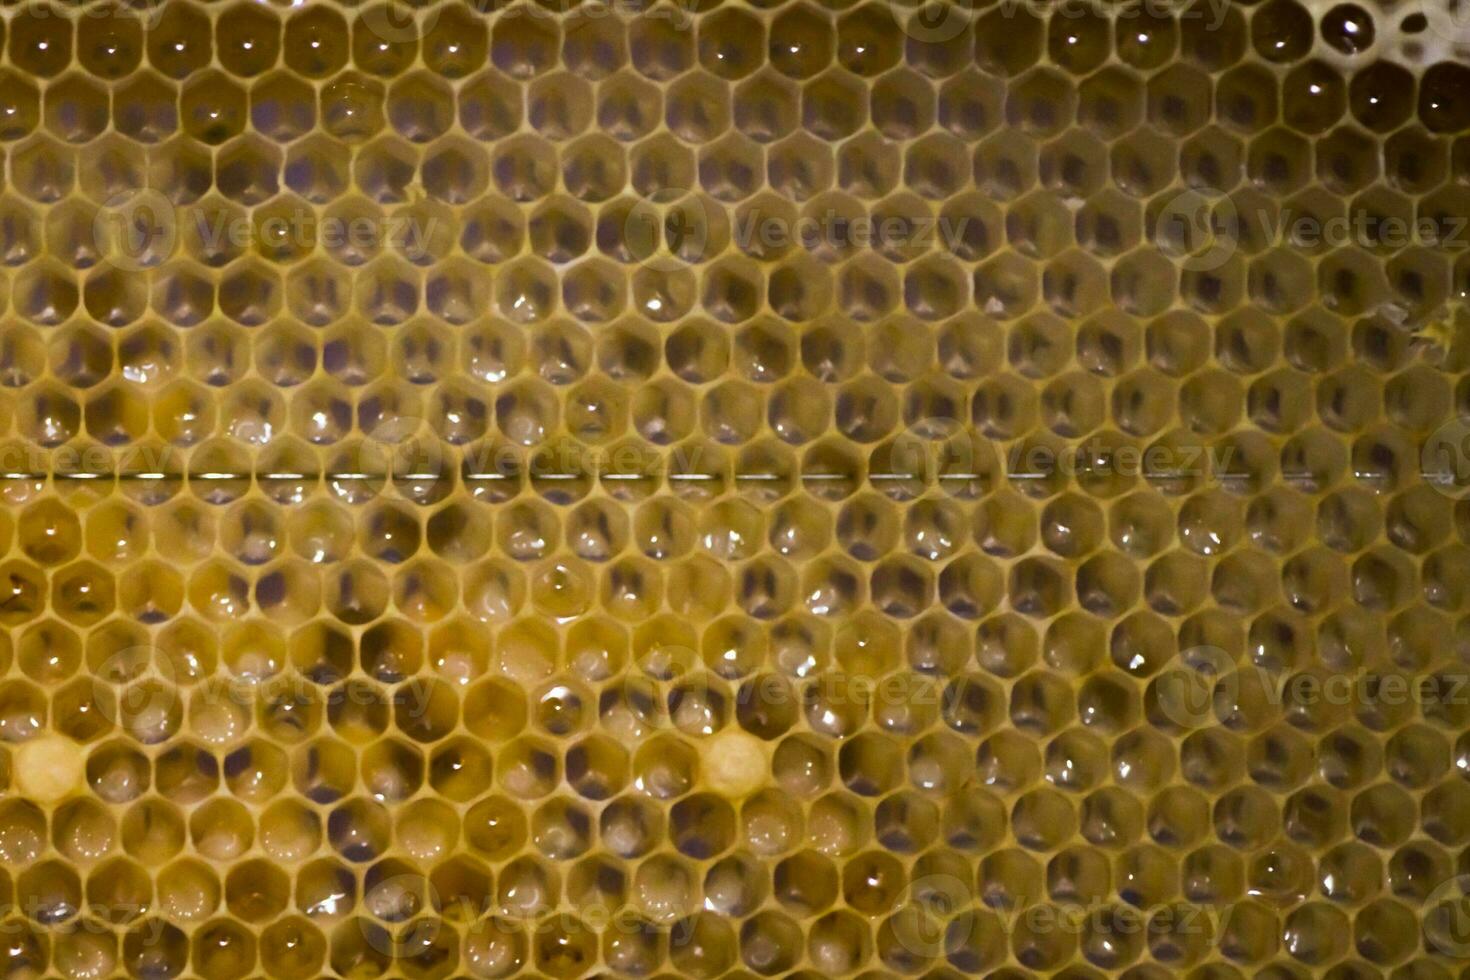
(805, 477)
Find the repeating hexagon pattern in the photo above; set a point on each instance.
(429, 434)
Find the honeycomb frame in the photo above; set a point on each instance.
(802, 488)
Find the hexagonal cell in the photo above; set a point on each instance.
(43, 169)
(1282, 31)
(1438, 109)
(1247, 98)
(212, 107)
(523, 47)
(730, 168)
(1110, 102)
(901, 104)
(936, 166)
(628, 107)
(420, 107)
(1039, 225)
(868, 166)
(40, 42)
(1042, 102)
(1179, 99)
(1279, 161)
(83, 593)
(114, 297)
(1280, 281)
(112, 167)
(181, 170)
(803, 41)
(697, 107)
(938, 40)
(1383, 220)
(1381, 96)
(316, 42)
(76, 108)
(1006, 164)
(1214, 42)
(1073, 165)
(1414, 162)
(1079, 44)
(317, 168)
(71, 234)
(765, 106)
(1212, 158)
(524, 168)
(455, 43)
(180, 40)
(661, 48)
(1143, 164)
(1109, 223)
(1007, 42)
(1347, 160)
(385, 38)
(1313, 97)
(384, 169)
(867, 43)
(45, 293)
(110, 47)
(248, 38)
(282, 107)
(831, 105)
(247, 170)
(19, 107)
(970, 104)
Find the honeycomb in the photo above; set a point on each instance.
(816, 489)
